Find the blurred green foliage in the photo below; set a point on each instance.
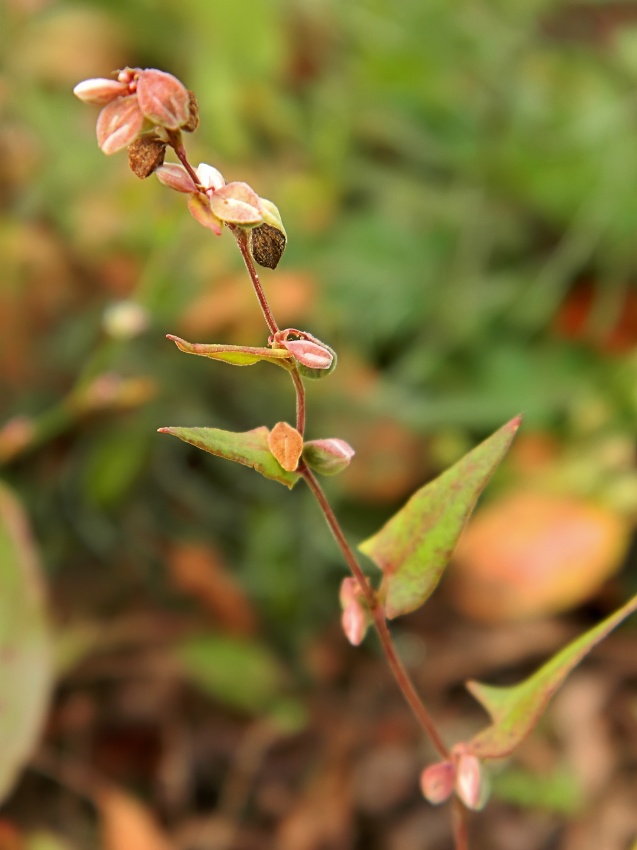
(450, 176)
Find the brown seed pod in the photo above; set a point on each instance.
(267, 244)
(193, 108)
(146, 154)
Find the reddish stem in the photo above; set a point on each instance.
(242, 242)
(299, 388)
(399, 672)
(460, 827)
(177, 145)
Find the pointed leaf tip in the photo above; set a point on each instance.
(235, 355)
(414, 546)
(516, 710)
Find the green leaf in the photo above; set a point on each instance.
(414, 546)
(516, 710)
(26, 668)
(247, 447)
(240, 673)
(235, 355)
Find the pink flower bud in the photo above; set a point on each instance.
(175, 177)
(209, 177)
(310, 354)
(354, 622)
(163, 99)
(199, 209)
(471, 787)
(355, 618)
(100, 91)
(437, 780)
(349, 591)
(329, 456)
(118, 124)
(237, 203)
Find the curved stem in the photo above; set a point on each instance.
(242, 242)
(395, 664)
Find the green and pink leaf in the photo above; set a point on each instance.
(414, 546)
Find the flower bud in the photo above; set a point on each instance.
(355, 618)
(175, 177)
(313, 355)
(118, 124)
(328, 456)
(209, 177)
(354, 622)
(437, 781)
(471, 786)
(145, 155)
(163, 99)
(100, 91)
(237, 203)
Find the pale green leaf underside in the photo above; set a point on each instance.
(516, 710)
(247, 447)
(26, 667)
(235, 355)
(414, 546)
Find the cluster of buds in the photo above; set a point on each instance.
(145, 110)
(136, 101)
(461, 774)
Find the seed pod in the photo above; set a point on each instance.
(145, 154)
(267, 245)
(193, 108)
(267, 241)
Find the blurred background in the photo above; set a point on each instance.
(459, 186)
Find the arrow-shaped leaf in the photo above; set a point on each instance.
(26, 669)
(414, 546)
(516, 710)
(247, 447)
(235, 355)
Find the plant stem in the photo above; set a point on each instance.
(460, 829)
(375, 606)
(299, 388)
(242, 242)
(177, 145)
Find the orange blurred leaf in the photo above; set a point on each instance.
(529, 554)
(199, 571)
(126, 824)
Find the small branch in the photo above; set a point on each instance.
(299, 388)
(242, 242)
(398, 670)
